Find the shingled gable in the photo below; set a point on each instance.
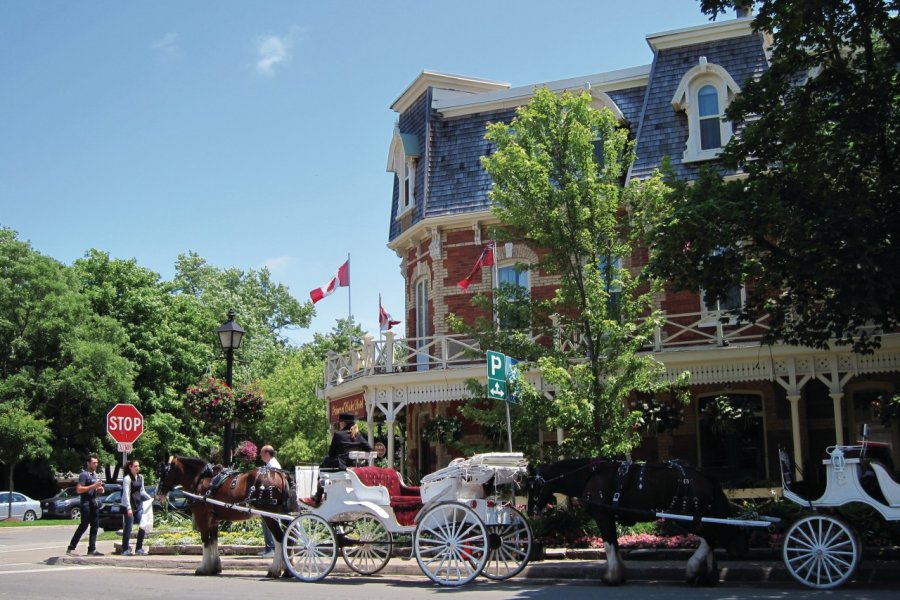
(731, 45)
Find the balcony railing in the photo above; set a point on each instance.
(402, 355)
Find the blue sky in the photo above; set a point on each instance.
(256, 133)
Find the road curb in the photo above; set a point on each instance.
(672, 571)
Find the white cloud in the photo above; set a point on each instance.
(275, 50)
(167, 45)
(277, 265)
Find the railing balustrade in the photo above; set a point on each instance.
(448, 351)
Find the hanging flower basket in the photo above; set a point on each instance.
(441, 430)
(725, 417)
(215, 403)
(658, 416)
(245, 455)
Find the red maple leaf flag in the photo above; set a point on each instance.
(384, 318)
(485, 260)
(340, 279)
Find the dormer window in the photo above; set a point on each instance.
(703, 94)
(708, 105)
(402, 160)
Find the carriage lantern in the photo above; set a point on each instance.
(230, 335)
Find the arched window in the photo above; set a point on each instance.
(513, 291)
(708, 105)
(422, 324)
(703, 94)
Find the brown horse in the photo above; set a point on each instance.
(614, 491)
(266, 489)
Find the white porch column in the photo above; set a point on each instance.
(388, 351)
(370, 426)
(390, 444)
(794, 399)
(836, 398)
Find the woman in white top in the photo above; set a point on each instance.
(133, 496)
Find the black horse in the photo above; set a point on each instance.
(615, 491)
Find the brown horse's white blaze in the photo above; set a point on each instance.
(614, 491)
(265, 489)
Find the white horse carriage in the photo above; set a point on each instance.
(458, 531)
(821, 550)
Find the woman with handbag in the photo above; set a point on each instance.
(133, 496)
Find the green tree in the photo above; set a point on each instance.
(264, 308)
(167, 341)
(296, 419)
(22, 437)
(558, 171)
(58, 359)
(812, 229)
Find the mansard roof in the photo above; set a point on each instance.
(448, 114)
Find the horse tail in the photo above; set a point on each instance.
(289, 498)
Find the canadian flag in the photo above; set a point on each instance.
(384, 318)
(340, 279)
(485, 260)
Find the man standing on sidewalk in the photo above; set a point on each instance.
(267, 454)
(91, 489)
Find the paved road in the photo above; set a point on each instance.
(30, 570)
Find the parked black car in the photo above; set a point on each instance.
(112, 513)
(67, 503)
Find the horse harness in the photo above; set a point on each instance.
(685, 491)
(258, 494)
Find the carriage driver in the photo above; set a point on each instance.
(345, 440)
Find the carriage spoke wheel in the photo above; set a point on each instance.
(366, 547)
(309, 547)
(821, 552)
(510, 545)
(451, 544)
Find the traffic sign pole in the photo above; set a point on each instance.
(499, 368)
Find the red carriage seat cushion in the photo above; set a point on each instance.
(406, 500)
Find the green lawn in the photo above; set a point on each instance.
(38, 523)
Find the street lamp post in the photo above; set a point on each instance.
(230, 334)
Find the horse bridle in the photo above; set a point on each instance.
(537, 481)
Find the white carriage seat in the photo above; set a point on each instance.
(889, 487)
(347, 486)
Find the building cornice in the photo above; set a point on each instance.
(455, 105)
(427, 79)
(702, 33)
(422, 229)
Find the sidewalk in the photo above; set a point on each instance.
(643, 565)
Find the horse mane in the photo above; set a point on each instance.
(192, 463)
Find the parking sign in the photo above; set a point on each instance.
(496, 375)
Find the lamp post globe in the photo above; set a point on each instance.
(230, 335)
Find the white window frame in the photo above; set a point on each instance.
(510, 263)
(422, 322)
(710, 317)
(686, 99)
(404, 167)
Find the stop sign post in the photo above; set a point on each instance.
(124, 424)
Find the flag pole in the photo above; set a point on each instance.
(349, 308)
(494, 283)
(380, 328)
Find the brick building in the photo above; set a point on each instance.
(800, 398)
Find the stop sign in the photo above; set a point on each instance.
(124, 423)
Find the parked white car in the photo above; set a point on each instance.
(23, 507)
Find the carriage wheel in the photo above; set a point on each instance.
(510, 545)
(309, 547)
(451, 544)
(821, 551)
(368, 545)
